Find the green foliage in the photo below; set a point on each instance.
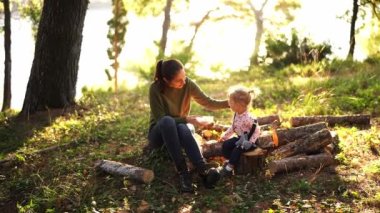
(27, 208)
(374, 201)
(301, 186)
(114, 127)
(373, 168)
(184, 54)
(32, 10)
(287, 8)
(145, 7)
(116, 35)
(374, 28)
(282, 53)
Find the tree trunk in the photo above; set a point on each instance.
(197, 26)
(354, 17)
(251, 162)
(213, 148)
(115, 41)
(165, 29)
(259, 33)
(299, 162)
(8, 60)
(349, 120)
(307, 145)
(52, 81)
(132, 172)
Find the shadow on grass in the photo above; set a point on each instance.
(16, 130)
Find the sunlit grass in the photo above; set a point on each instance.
(114, 126)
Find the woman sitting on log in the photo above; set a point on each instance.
(170, 95)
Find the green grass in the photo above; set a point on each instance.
(114, 127)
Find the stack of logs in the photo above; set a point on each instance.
(307, 144)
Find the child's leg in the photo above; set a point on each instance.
(228, 146)
(235, 156)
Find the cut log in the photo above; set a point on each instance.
(131, 172)
(288, 135)
(362, 121)
(213, 148)
(285, 136)
(218, 127)
(268, 119)
(251, 162)
(300, 162)
(309, 144)
(263, 121)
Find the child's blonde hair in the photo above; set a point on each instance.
(240, 94)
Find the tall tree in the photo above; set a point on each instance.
(165, 29)
(355, 10)
(361, 6)
(54, 71)
(116, 35)
(8, 61)
(259, 31)
(247, 10)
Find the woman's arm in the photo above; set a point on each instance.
(201, 98)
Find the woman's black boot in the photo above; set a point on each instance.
(185, 182)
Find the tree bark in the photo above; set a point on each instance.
(8, 59)
(259, 32)
(299, 162)
(288, 135)
(165, 29)
(251, 162)
(348, 120)
(197, 26)
(132, 172)
(53, 77)
(261, 120)
(213, 148)
(354, 17)
(268, 119)
(307, 145)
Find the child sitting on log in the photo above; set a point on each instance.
(244, 125)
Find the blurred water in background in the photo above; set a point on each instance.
(229, 43)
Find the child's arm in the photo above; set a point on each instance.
(227, 134)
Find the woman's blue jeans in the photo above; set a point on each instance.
(176, 137)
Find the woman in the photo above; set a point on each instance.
(169, 97)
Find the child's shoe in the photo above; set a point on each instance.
(210, 178)
(224, 173)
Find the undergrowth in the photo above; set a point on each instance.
(114, 127)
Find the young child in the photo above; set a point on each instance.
(244, 125)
